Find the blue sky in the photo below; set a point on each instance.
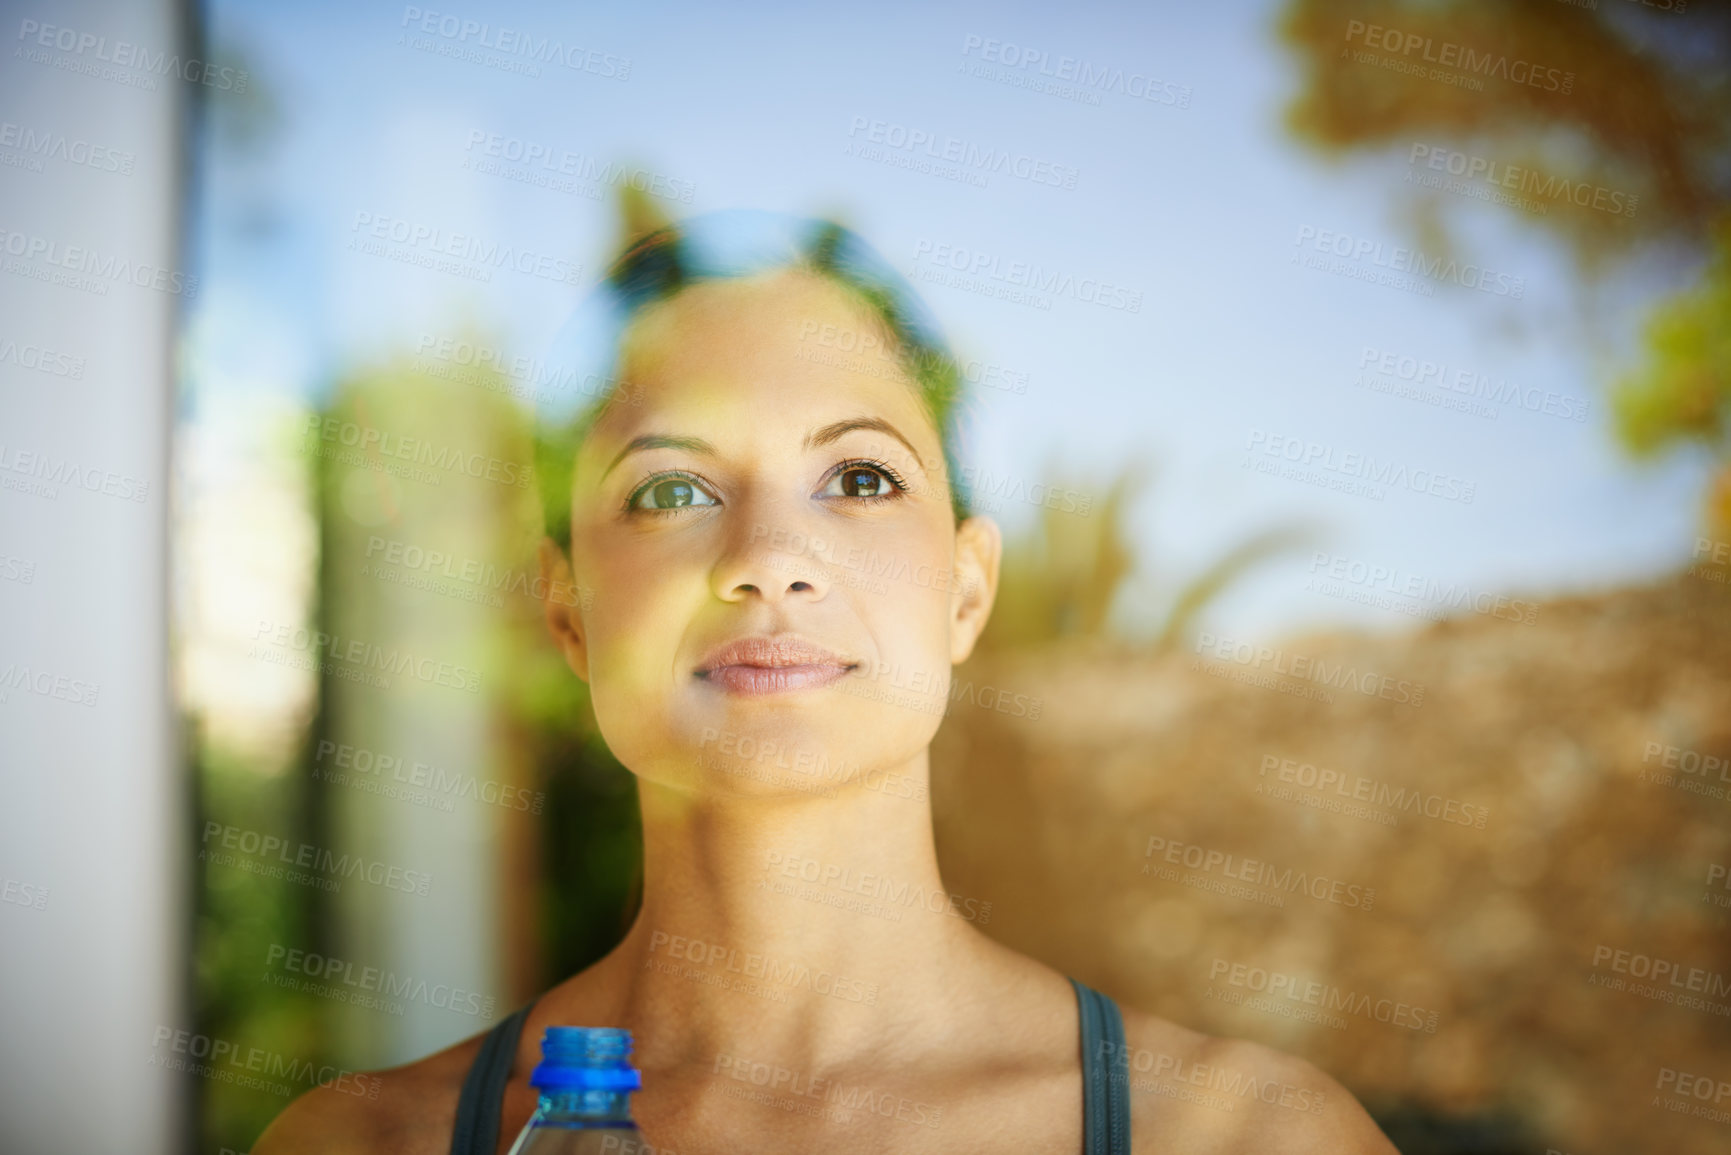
(1196, 208)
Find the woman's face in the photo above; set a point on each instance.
(778, 585)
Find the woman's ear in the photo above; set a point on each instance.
(563, 606)
(979, 549)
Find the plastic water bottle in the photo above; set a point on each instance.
(585, 1079)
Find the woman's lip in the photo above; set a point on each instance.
(770, 653)
(772, 679)
(765, 665)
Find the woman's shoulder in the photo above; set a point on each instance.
(407, 1109)
(1195, 1092)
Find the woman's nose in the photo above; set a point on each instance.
(773, 563)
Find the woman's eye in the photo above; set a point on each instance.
(671, 493)
(860, 481)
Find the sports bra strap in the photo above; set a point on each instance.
(1105, 1080)
(1105, 1075)
(476, 1131)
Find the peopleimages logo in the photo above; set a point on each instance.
(1324, 995)
(43, 360)
(896, 360)
(1023, 275)
(1256, 872)
(1339, 675)
(270, 850)
(20, 893)
(357, 763)
(777, 755)
(1522, 180)
(462, 33)
(768, 968)
(989, 491)
(343, 979)
(522, 376)
(388, 448)
(1703, 1087)
(1712, 552)
(1717, 874)
(800, 1092)
(1330, 573)
(834, 876)
(1472, 384)
(122, 54)
(48, 472)
(1089, 79)
(484, 575)
(553, 161)
(1358, 470)
(18, 676)
(253, 1067)
(1662, 970)
(81, 262)
(45, 144)
(1688, 761)
(1449, 54)
(361, 655)
(424, 244)
(970, 156)
(1400, 259)
(857, 559)
(1174, 1078)
(1358, 788)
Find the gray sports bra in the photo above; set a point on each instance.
(1105, 1081)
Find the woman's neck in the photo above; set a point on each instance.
(805, 932)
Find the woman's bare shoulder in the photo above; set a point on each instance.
(1196, 1092)
(406, 1109)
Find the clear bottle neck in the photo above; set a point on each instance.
(579, 1107)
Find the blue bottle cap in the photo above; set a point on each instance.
(586, 1058)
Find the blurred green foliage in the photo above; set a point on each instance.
(591, 832)
(1064, 575)
(1647, 113)
(238, 917)
(1060, 577)
(1683, 392)
(575, 875)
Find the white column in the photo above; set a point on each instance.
(93, 837)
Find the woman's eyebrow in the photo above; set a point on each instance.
(813, 440)
(658, 441)
(831, 432)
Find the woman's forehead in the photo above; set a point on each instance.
(755, 350)
(773, 308)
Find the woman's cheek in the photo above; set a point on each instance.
(630, 694)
